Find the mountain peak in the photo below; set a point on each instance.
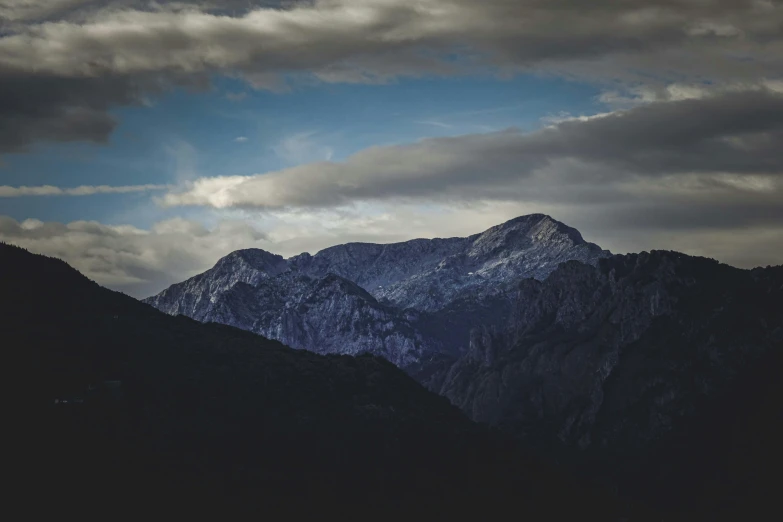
(255, 258)
(540, 223)
(250, 254)
(534, 231)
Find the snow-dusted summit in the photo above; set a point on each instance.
(386, 299)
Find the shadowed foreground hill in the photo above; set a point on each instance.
(210, 414)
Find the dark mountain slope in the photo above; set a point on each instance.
(621, 366)
(206, 413)
(722, 463)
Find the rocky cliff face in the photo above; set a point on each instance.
(195, 297)
(610, 358)
(403, 301)
(328, 315)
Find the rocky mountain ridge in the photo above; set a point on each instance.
(391, 300)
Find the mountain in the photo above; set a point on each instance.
(392, 300)
(658, 374)
(428, 274)
(618, 364)
(122, 405)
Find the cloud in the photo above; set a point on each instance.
(236, 96)
(79, 58)
(435, 123)
(720, 146)
(320, 34)
(240, 139)
(36, 11)
(14, 12)
(84, 190)
(36, 106)
(184, 159)
(642, 94)
(139, 262)
(302, 147)
(690, 150)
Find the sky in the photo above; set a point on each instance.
(143, 140)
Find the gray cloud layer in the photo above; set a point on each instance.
(136, 261)
(89, 55)
(716, 157)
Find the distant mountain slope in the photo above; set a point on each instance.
(325, 315)
(409, 290)
(614, 360)
(208, 412)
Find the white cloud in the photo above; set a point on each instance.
(127, 258)
(641, 94)
(435, 123)
(236, 96)
(302, 147)
(240, 139)
(184, 159)
(84, 190)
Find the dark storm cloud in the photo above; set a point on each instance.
(48, 108)
(37, 11)
(737, 132)
(103, 47)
